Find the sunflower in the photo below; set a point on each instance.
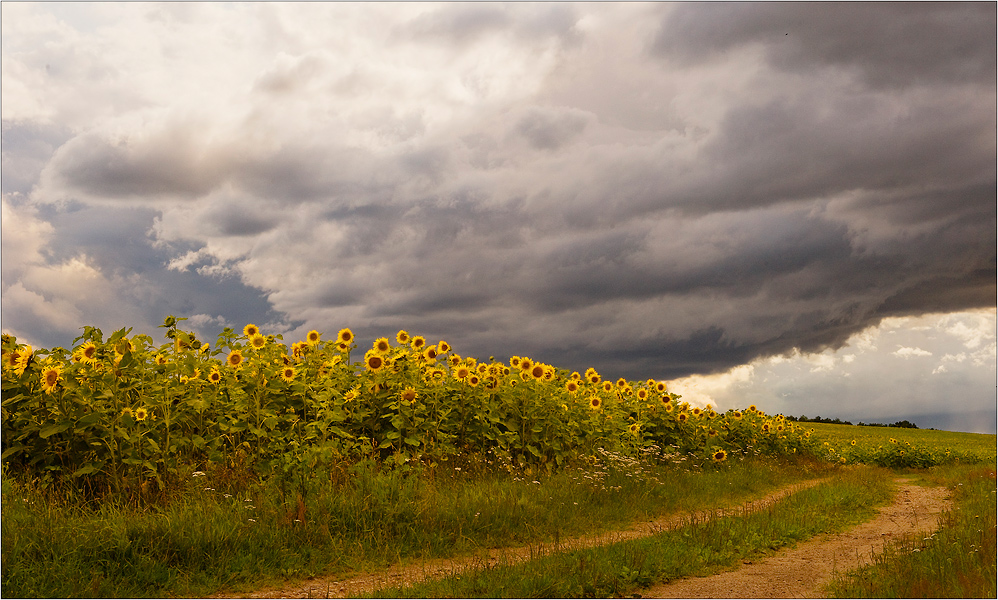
(607, 386)
(418, 342)
(549, 373)
(737, 415)
(408, 394)
(696, 411)
(22, 359)
(126, 412)
(462, 372)
(214, 376)
(683, 417)
(621, 382)
(572, 386)
(381, 345)
(454, 360)
(443, 347)
(592, 376)
(402, 336)
(430, 354)
(473, 380)
(634, 428)
(234, 359)
(251, 330)
(537, 372)
(575, 376)
(526, 364)
(595, 402)
(482, 368)
(88, 353)
(258, 341)
(660, 387)
(288, 374)
(719, 455)
(50, 379)
(374, 361)
(642, 394)
(312, 338)
(668, 406)
(160, 359)
(514, 361)
(351, 395)
(345, 336)
(752, 408)
(141, 414)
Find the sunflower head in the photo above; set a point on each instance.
(443, 347)
(250, 330)
(214, 376)
(402, 336)
(474, 380)
(537, 371)
(595, 402)
(141, 414)
(374, 362)
(514, 361)
(381, 345)
(312, 338)
(634, 428)
(430, 354)
(408, 394)
(345, 336)
(572, 386)
(607, 386)
(462, 372)
(719, 455)
(50, 379)
(234, 359)
(288, 374)
(418, 342)
(258, 341)
(526, 364)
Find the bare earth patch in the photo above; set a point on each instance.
(799, 572)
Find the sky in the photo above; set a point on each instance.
(791, 205)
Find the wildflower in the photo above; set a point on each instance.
(258, 341)
(140, 414)
(402, 336)
(50, 379)
(312, 338)
(381, 345)
(251, 330)
(234, 359)
(288, 374)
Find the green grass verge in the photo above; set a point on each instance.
(700, 548)
(223, 533)
(957, 561)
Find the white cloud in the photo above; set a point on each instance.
(905, 352)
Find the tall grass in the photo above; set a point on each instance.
(958, 560)
(700, 548)
(223, 531)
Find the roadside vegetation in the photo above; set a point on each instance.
(182, 469)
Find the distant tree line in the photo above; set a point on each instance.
(906, 424)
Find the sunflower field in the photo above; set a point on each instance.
(125, 409)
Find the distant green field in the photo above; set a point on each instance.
(876, 441)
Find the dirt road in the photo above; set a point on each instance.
(798, 572)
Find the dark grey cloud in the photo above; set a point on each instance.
(892, 44)
(603, 219)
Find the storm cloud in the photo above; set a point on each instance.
(656, 190)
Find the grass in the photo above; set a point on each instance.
(700, 548)
(957, 561)
(225, 533)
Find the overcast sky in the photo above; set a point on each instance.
(741, 191)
